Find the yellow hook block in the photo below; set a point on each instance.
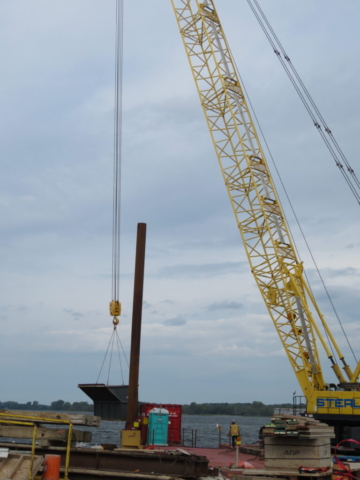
(115, 308)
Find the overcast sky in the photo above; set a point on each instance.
(207, 336)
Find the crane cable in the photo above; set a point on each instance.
(117, 150)
(308, 102)
(115, 305)
(297, 220)
(114, 336)
(307, 93)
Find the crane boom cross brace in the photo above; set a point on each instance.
(259, 215)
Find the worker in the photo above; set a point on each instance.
(234, 433)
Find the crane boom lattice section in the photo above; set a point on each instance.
(259, 215)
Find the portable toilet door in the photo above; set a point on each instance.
(158, 426)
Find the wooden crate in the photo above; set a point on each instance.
(17, 467)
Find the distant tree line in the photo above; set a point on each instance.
(56, 406)
(254, 409)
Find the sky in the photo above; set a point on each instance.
(206, 335)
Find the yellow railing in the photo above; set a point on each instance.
(30, 421)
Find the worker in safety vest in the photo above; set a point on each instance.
(234, 433)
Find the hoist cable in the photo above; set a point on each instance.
(118, 350)
(114, 338)
(117, 150)
(119, 340)
(307, 93)
(293, 210)
(121, 369)
(353, 188)
(111, 354)
(115, 287)
(102, 365)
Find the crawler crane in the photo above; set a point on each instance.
(261, 221)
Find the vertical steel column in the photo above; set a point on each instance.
(132, 412)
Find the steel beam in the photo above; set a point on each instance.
(133, 399)
(143, 462)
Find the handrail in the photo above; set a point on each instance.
(34, 421)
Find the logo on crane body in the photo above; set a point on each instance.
(336, 403)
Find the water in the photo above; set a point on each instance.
(206, 426)
(208, 433)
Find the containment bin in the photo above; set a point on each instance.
(158, 426)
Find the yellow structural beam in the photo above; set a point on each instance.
(259, 215)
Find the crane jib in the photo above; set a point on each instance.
(259, 215)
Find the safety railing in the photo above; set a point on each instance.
(28, 421)
(189, 437)
(299, 405)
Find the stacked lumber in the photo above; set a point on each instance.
(292, 453)
(49, 434)
(74, 418)
(17, 467)
(46, 436)
(297, 427)
(292, 442)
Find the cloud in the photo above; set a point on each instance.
(351, 246)
(341, 272)
(199, 270)
(75, 315)
(168, 302)
(224, 306)
(22, 308)
(3, 317)
(175, 322)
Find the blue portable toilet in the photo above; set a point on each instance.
(158, 426)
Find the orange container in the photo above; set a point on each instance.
(52, 467)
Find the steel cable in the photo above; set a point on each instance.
(118, 350)
(119, 35)
(111, 354)
(307, 93)
(117, 150)
(102, 365)
(303, 94)
(278, 173)
(119, 340)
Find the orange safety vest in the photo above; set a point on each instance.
(234, 430)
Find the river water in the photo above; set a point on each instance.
(206, 426)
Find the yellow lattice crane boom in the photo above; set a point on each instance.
(259, 215)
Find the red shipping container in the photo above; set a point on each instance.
(175, 411)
